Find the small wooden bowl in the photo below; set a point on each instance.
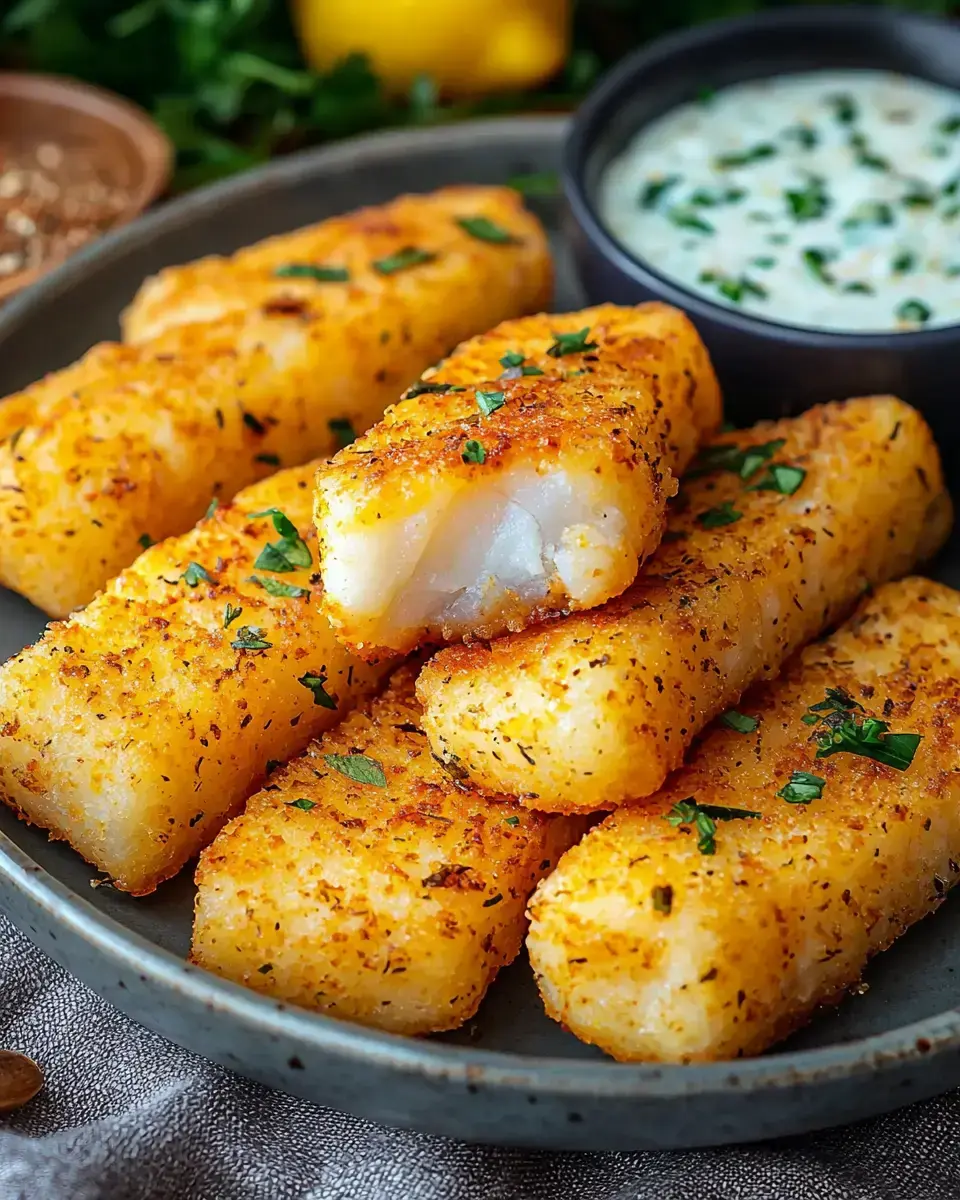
(129, 149)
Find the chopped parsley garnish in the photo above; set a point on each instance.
(739, 721)
(254, 423)
(743, 158)
(905, 261)
(489, 402)
(271, 460)
(735, 290)
(870, 212)
(211, 508)
(802, 788)
(408, 257)
(779, 477)
(804, 135)
(230, 614)
(317, 685)
(703, 818)
(514, 821)
(844, 107)
(276, 587)
(145, 540)
(431, 389)
(654, 189)
(513, 363)
(841, 728)
(473, 452)
(485, 230)
(290, 552)
(686, 218)
(342, 429)
(357, 767)
(815, 260)
(250, 637)
(712, 197)
(915, 311)
(302, 803)
(810, 202)
(512, 358)
(728, 456)
(723, 514)
(313, 271)
(663, 898)
(194, 575)
(571, 343)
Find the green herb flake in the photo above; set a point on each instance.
(722, 514)
(317, 685)
(844, 107)
(744, 158)
(302, 803)
(194, 575)
(211, 508)
(763, 261)
(903, 262)
(272, 764)
(663, 898)
(868, 738)
(485, 230)
(473, 452)
(409, 256)
(914, 311)
(270, 460)
(918, 195)
(321, 274)
(514, 821)
(687, 218)
(254, 423)
(276, 587)
(493, 900)
(870, 212)
(342, 429)
(535, 183)
(654, 190)
(815, 260)
(431, 389)
(230, 614)
(571, 343)
(739, 722)
(858, 287)
(804, 135)
(512, 359)
(250, 637)
(713, 197)
(949, 125)
(865, 156)
(357, 767)
(703, 818)
(290, 552)
(779, 477)
(810, 202)
(489, 402)
(802, 788)
(145, 540)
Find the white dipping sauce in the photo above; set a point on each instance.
(829, 200)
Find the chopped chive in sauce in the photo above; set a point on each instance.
(858, 287)
(735, 290)
(230, 614)
(489, 402)
(571, 343)
(778, 239)
(914, 311)
(485, 230)
(686, 218)
(712, 197)
(654, 190)
(918, 195)
(781, 478)
(810, 202)
(802, 788)
(738, 721)
(844, 107)
(703, 818)
(314, 271)
(763, 261)
(317, 685)
(804, 135)
(905, 261)
(950, 125)
(744, 158)
(473, 452)
(722, 514)
(409, 256)
(870, 212)
(357, 767)
(815, 260)
(865, 156)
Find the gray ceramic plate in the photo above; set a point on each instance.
(511, 1076)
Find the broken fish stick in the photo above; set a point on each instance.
(368, 883)
(777, 533)
(712, 920)
(294, 345)
(528, 474)
(136, 727)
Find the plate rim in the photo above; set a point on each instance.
(931, 1038)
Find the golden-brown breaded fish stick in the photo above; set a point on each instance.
(527, 475)
(294, 345)
(367, 882)
(772, 545)
(137, 726)
(712, 920)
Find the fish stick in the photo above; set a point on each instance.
(136, 727)
(528, 474)
(659, 940)
(271, 358)
(368, 883)
(776, 536)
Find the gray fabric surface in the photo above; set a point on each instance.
(128, 1116)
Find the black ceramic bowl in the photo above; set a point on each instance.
(767, 369)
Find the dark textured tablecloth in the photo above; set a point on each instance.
(128, 1116)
